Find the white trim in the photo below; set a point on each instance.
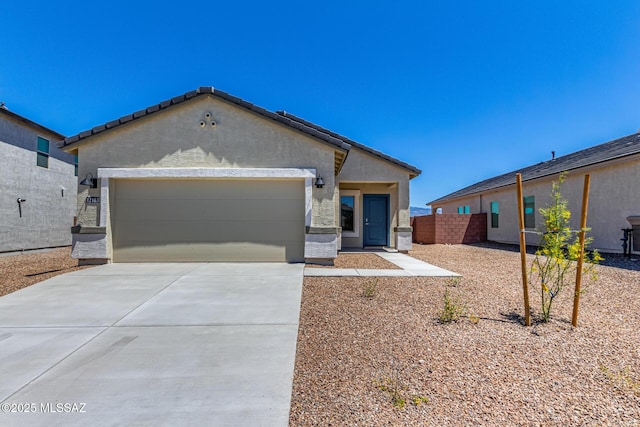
(260, 173)
(104, 200)
(308, 174)
(356, 212)
(308, 199)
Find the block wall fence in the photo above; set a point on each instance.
(450, 228)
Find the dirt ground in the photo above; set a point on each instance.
(25, 269)
(357, 354)
(372, 352)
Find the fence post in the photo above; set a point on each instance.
(583, 226)
(523, 251)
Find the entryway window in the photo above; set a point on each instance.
(350, 213)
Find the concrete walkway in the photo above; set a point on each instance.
(152, 345)
(409, 267)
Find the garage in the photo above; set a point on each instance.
(207, 220)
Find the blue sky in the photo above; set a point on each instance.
(464, 90)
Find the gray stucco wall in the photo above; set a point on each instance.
(50, 193)
(614, 195)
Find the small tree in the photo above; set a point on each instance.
(554, 264)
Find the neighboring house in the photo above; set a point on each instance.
(613, 203)
(206, 176)
(38, 186)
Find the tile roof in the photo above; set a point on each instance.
(415, 171)
(611, 150)
(30, 123)
(207, 90)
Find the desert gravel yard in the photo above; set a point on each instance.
(354, 351)
(486, 369)
(359, 260)
(18, 271)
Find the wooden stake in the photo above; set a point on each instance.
(583, 226)
(523, 251)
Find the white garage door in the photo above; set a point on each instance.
(207, 220)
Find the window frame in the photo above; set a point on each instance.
(40, 154)
(460, 210)
(356, 212)
(495, 216)
(529, 218)
(75, 164)
(467, 210)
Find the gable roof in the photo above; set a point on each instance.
(412, 169)
(30, 123)
(203, 90)
(616, 149)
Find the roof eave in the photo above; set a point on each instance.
(31, 123)
(71, 143)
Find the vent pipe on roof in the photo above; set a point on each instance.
(3, 106)
(553, 155)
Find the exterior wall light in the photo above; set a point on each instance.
(319, 182)
(91, 182)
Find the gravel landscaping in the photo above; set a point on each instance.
(359, 260)
(487, 369)
(25, 269)
(356, 353)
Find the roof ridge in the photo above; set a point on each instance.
(610, 150)
(30, 122)
(206, 90)
(351, 142)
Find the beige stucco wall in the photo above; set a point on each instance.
(392, 191)
(614, 195)
(240, 139)
(372, 175)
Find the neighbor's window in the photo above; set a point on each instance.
(467, 209)
(495, 210)
(529, 212)
(460, 209)
(75, 163)
(42, 154)
(347, 204)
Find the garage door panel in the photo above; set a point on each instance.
(195, 252)
(211, 189)
(206, 231)
(207, 210)
(208, 220)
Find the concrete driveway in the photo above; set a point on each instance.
(152, 344)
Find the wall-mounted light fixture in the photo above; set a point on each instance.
(91, 182)
(319, 182)
(20, 202)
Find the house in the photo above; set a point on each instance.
(207, 176)
(614, 201)
(38, 186)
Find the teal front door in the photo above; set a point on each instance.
(376, 219)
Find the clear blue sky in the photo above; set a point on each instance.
(464, 90)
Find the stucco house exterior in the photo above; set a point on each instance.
(614, 201)
(207, 176)
(38, 186)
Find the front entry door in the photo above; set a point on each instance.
(376, 219)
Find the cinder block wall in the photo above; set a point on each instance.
(450, 228)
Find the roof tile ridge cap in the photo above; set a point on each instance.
(347, 140)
